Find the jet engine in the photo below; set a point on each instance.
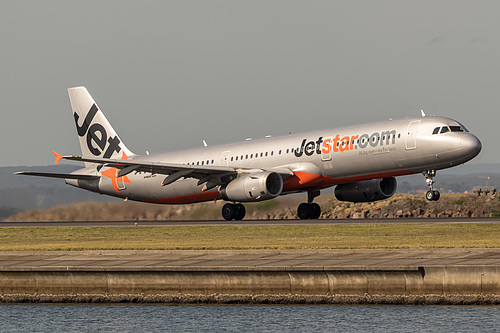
(367, 190)
(253, 187)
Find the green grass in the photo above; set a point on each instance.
(251, 237)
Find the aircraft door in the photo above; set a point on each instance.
(120, 181)
(121, 184)
(411, 135)
(224, 158)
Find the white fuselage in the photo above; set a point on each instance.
(316, 160)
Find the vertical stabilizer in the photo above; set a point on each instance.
(96, 135)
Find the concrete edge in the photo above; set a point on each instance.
(466, 300)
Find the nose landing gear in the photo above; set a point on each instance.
(309, 210)
(432, 194)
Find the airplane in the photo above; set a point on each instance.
(362, 161)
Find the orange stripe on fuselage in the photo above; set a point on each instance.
(303, 180)
(190, 198)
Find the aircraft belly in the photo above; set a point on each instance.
(148, 188)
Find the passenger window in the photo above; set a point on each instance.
(436, 130)
(444, 129)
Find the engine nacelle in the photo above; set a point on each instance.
(253, 187)
(367, 190)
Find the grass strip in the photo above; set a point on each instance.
(250, 237)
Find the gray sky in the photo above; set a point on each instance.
(169, 74)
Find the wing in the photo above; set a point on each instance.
(58, 175)
(211, 175)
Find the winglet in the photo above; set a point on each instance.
(58, 157)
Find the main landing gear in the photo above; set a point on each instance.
(432, 194)
(233, 212)
(309, 210)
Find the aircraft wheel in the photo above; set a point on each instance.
(430, 195)
(437, 195)
(240, 212)
(229, 211)
(314, 211)
(303, 211)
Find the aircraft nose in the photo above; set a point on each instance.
(470, 144)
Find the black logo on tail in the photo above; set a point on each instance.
(97, 134)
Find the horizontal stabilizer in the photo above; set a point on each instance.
(57, 175)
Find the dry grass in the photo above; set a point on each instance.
(251, 237)
(464, 205)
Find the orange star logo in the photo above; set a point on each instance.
(112, 173)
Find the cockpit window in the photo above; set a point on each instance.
(452, 128)
(464, 128)
(456, 129)
(444, 129)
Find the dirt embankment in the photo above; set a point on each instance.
(401, 205)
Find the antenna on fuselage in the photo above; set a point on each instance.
(423, 113)
(205, 144)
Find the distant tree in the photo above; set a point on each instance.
(404, 187)
(6, 212)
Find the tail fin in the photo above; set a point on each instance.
(96, 135)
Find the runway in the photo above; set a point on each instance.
(494, 220)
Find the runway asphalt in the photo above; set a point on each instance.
(494, 220)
